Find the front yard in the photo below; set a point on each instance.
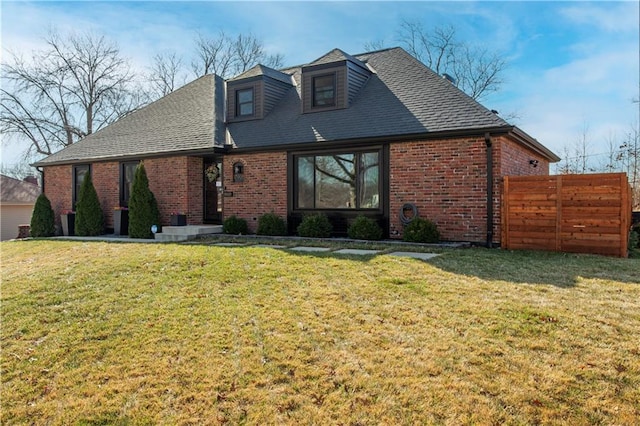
(108, 333)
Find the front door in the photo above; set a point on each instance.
(212, 191)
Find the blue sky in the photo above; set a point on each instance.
(574, 67)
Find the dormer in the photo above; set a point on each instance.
(332, 81)
(252, 94)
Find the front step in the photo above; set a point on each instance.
(186, 233)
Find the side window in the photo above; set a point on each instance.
(127, 172)
(244, 103)
(324, 90)
(79, 172)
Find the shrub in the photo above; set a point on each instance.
(421, 230)
(634, 242)
(143, 207)
(364, 228)
(89, 216)
(271, 224)
(42, 219)
(235, 225)
(315, 226)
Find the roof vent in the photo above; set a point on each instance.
(449, 78)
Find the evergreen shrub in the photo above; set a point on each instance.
(421, 230)
(43, 218)
(143, 207)
(235, 226)
(89, 217)
(271, 224)
(315, 226)
(364, 228)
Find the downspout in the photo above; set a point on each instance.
(487, 141)
(41, 171)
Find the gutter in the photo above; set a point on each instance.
(489, 144)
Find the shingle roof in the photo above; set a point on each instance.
(260, 70)
(336, 55)
(402, 97)
(188, 119)
(14, 191)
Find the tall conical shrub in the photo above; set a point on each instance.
(42, 219)
(89, 216)
(143, 207)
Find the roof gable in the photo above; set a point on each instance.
(260, 71)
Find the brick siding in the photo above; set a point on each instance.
(263, 190)
(176, 182)
(445, 179)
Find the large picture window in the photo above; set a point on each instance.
(338, 181)
(127, 172)
(79, 172)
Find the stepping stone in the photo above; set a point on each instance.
(310, 249)
(357, 252)
(273, 246)
(421, 256)
(229, 244)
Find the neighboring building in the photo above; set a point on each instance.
(16, 204)
(343, 135)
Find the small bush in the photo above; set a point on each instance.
(315, 226)
(235, 225)
(271, 224)
(43, 218)
(421, 231)
(89, 217)
(364, 228)
(634, 242)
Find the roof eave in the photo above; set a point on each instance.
(533, 144)
(131, 157)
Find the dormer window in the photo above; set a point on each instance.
(324, 90)
(244, 102)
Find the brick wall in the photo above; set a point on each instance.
(263, 190)
(447, 181)
(177, 183)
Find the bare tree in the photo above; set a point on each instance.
(227, 56)
(476, 70)
(72, 88)
(166, 74)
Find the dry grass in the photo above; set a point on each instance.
(99, 333)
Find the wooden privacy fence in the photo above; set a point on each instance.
(570, 213)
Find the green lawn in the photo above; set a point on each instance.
(108, 333)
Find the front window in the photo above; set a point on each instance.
(324, 90)
(339, 181)
(127, 172)
(244, 102)
(79, 172)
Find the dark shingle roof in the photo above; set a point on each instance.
(402, 97)
(261, 70)
(14, 191)
(188, 119)
(336, 55)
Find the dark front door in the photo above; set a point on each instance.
(212, 191)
